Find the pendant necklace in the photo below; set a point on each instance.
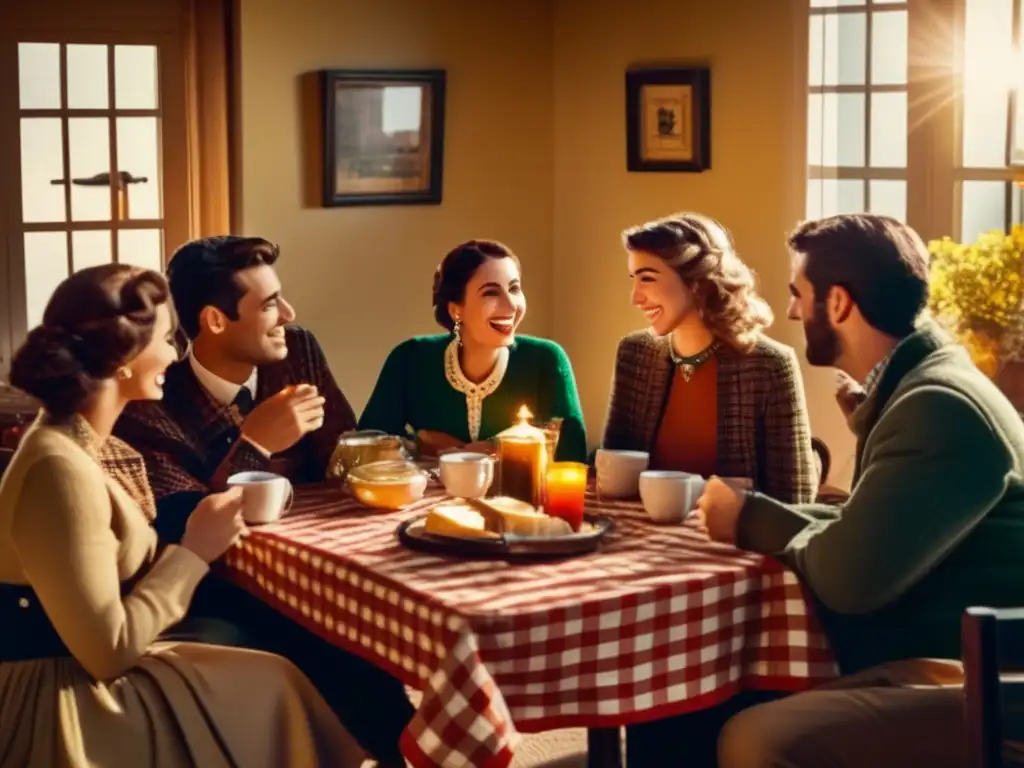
(688, 364)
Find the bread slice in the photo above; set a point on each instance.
(486, 518)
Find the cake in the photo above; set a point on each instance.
(484, 518)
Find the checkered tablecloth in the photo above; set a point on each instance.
(658, 622)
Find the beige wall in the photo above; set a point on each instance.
(535, 155)
(361, 277)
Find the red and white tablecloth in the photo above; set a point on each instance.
(658, 622)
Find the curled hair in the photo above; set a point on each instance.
(457, 269)
(96, 321)
(701, 252)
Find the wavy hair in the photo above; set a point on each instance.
(701, 252)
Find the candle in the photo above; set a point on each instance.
(565, 488)
(522, 460)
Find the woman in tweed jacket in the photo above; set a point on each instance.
(703, 390)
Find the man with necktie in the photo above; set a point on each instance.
(254, 392)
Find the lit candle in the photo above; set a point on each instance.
(566, 487)
(522, 460)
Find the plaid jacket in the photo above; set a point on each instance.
(191, 442)
(763, 428)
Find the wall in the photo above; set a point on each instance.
(361, 277)
(756, 53)
(535, 156)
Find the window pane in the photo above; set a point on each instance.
(889, 43)
(845, 53)
(983, 208)
(834, 3)
(841, 196)
(46, 265)
(889, 130)
(988, 71)
(89, 141)
(816, 50)
(90, 248)
(815, 128)
(888, 198)
(39, 75)
(135, 81)
(812, 208)
(87, 77)
(141, 247)
(42, 161)
(138, 153)
(1017, 206)
(842, 132)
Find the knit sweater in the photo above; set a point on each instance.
(413, 392)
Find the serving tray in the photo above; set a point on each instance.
(412, 534)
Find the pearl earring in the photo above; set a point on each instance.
(457, 331)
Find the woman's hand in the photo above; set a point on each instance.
(431, 443)
(215, 525)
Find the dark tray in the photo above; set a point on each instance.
(512, 547)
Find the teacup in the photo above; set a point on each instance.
(618, 472)
(669, 496)
(265, 496)
(466, 474)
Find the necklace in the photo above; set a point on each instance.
(688, 364)
(475, 393)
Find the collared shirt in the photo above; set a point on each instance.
(871, 380)
(222, 390)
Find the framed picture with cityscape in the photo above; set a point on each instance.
(383, 136)
(668, 119)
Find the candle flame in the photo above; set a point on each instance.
(524, 415)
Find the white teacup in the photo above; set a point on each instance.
(618, 472)
(669, 496)
(466, 474)
(265, 496)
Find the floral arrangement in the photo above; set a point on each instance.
(976, 291)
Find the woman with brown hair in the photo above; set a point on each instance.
(703, 390)
(89, 673)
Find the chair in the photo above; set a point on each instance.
(824, 459)
(993, 642)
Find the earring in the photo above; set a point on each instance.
(457, 331)
(124, 373)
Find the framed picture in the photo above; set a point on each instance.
(668, 119)
(383, 136)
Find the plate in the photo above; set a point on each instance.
(412, 534)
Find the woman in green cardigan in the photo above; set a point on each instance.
(467, 385)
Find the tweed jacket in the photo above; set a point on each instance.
(191, 442)
(763, 428)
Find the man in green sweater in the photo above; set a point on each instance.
(934, 523)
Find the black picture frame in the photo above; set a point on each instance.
(679, 100)
(403, 167)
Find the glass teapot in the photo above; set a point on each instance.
(365, 447)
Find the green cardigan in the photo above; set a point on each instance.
(935, 522)
(412, 390)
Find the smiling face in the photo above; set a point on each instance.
(659, 292)
(257, 337)
(493, 306)
(146, 381)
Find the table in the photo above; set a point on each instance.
(658, 622)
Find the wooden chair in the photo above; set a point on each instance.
(993, 644)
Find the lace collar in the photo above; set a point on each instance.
(475, 393)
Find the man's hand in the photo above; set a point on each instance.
(849, 394)
(718, 510)
(279, 422)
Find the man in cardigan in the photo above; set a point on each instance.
(935, 521)
(254, 393)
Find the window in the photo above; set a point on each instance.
(909, 112)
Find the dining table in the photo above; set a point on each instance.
(657, 621)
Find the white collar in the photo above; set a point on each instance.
(223, 391)
(475, 393)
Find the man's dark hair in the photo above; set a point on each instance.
(881, 262)
(202, 274)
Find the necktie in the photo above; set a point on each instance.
(243, 401)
